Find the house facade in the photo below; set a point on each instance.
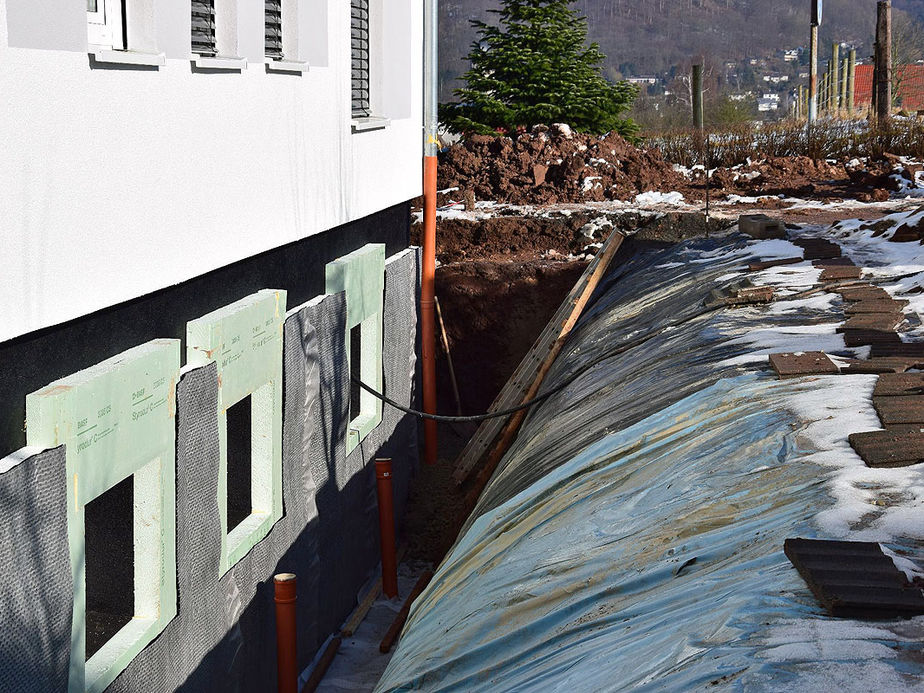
(204, 216)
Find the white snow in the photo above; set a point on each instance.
(655, 198)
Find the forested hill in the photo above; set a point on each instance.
(647, 37)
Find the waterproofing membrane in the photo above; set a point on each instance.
(632, 536)
(223, 636)
(35, 585)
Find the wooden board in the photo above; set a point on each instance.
(896, 347)
(817, 248)
(884, 338)
(805, 363)
(515, 390)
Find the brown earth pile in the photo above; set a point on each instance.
(552, 164)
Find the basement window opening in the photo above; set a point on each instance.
(355, 390)
(110, 565)
(240, 462)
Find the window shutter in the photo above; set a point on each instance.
(203, 27)
(359, 41)
(273, 45)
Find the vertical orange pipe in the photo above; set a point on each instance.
(286, 652)
(386, 527)
(427, 312)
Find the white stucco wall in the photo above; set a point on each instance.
(118, 182)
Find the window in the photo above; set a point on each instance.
(273, 43)
(359, 45)
(105, 23)
(203, 28)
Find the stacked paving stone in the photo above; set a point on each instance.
(857, 579)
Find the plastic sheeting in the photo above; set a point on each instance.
(632, 536)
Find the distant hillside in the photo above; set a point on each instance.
(648, 37)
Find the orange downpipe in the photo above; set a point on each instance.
(386, 527)
(427, 311)
(286, 650)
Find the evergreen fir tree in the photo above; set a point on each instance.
(536, 67)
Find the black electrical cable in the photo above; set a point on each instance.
(538, 398)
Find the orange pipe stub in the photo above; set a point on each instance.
(386, 527)
(286, 649)
(427, 311)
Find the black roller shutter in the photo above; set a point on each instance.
(359, 41)
(203, 27)
(274, 29)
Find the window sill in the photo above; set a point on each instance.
(286, 66)
(114, 57)
(220, 62)
(370, 123)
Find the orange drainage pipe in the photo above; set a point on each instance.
(386, 527)
(286, 651)
(427, 310)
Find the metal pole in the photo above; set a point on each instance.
(698, 97)
(428, 273)
(286, 649)
(386, 527)
(813, 76)
(843, 96)
(835, 68)
(884, 60)
(851, 79)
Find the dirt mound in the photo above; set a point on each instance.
(549, 165)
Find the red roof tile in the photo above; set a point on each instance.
(910, 87)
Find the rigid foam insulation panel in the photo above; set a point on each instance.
(224, 631)
(116, 421)
(244, 339)
(361, 276)
(35, 573)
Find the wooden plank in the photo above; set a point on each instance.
(886, 339)
(515, 391)
(805, 363)
(896, 347)
(317, 675)
(359, 613)
(395, 629)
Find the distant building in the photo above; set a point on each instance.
(642, 80)
(776, 79)
(791, 55)
(908, 85)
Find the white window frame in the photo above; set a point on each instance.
(105, 26)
